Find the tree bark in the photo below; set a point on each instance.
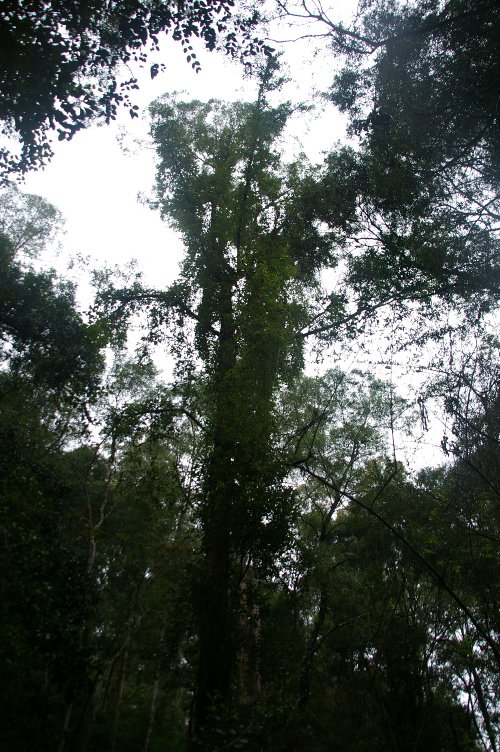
(119, 695)
(484, 710)
(155, 692)
(65, 728)
(216, 643)
(311, 648)
(248, 654)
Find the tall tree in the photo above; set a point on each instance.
(419, 83)
(51, 366)
(250, 257)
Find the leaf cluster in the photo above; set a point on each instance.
(60, 61)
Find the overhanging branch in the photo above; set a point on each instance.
(439, 579)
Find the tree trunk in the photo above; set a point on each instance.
(311, 648)
(64, 732)
(216, 643)
(248, 654)
(484, 710)
(119, 694)
(155, 692)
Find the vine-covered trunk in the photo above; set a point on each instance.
(216, 648)
(223, 185)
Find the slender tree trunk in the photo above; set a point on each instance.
(119, 694)
(65, 728)
(94, 699)
(155, 692)
(311, 648)
(98, 697)
(484, 710)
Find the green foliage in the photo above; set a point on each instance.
(435, 86)
(44, 337)
(377, 655)
(59, 63)
(28, 221)
(415, 205)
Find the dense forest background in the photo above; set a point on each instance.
(241, 558)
